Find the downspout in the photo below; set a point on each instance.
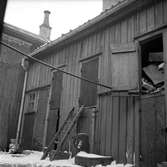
(25, 67)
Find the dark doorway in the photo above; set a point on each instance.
(29, 118)
(88, 91)
(55, 100)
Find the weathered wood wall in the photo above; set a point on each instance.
(10, 97)
(118, 67)
(117, 115)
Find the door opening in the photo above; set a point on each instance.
(152, 116)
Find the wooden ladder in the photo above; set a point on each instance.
(63, 132)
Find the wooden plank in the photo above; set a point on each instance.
(100, 124)
(89, 57)
(160, 150)
(137, 131)
(109, 125)
(130, 29)
(123, 48)
(158, 13)
(165, 60)
(129, 152)
(150, 18)
(97, 128)
(124, 31)
(90, 43)
(103, 125)
(118, 33)
(93, 49)
(137, 23)
(106, 58)
(142, 23)
(115, 127)
(123, 129)
(165, 12)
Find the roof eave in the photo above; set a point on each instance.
(93, 25)
(23, 34)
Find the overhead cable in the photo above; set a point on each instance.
(55, 68)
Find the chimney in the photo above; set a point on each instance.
(109, 3)
(45, 29)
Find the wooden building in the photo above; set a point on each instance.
(112, 49)
(12, 77)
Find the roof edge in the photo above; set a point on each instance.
(29, 36)
(96, 20)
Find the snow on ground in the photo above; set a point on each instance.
(32, 159)
(84, 154)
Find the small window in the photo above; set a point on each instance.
(32, 102)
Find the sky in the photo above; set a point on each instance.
(65, 14)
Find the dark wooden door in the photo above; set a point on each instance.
(152, 146)
(88, 91)
(40, 117)
(28, 130)
(55, 99)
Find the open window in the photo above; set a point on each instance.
(152, 65)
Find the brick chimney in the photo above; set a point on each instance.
(108, 3)
(45, 29)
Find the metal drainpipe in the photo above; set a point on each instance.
(21, 108)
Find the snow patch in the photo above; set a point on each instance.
(87, 155)
(32, 159)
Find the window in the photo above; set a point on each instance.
(32, 102)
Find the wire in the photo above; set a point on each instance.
(53, 67)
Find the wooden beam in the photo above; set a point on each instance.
(123, 48)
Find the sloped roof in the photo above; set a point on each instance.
(23, 34)
(95, 23)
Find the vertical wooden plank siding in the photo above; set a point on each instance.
(12, 77)
(164, 12)
(116, 126)
(120, 32)
(117, 118)
(123, 127)
(130, 134)
(158, 13)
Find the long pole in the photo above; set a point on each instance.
(53, 67)
(21, 109)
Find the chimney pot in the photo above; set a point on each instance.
(45, 29)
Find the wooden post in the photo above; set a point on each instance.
(93, 116)
(46, 118)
